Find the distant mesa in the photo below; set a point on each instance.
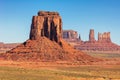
(7, 46)
(105, 37)
(45, 43)
(70, 35)
(103, 43)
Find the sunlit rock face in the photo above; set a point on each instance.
(48, 24)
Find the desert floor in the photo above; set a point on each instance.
(106, 70)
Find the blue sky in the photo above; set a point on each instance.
(79, 15)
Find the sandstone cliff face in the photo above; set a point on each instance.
(48, 24)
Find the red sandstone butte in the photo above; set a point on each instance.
(46, 44)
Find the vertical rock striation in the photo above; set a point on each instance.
(48, 24)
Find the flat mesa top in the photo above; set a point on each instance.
(47, 13)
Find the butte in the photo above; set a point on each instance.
(45, 43)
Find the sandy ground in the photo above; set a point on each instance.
(54, 65)
(28, 64)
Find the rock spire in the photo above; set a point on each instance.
(91, 35)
